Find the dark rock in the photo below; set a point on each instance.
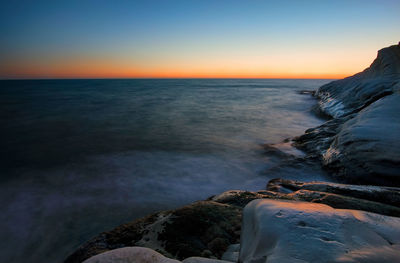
(192, 230)
(207, 228)
(307, 92)
(195, 230)
(381, 200)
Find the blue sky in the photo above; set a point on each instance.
(193, 38)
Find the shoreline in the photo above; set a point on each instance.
(357, 150)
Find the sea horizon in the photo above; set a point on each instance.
(172, 78)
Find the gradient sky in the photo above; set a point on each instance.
(199, 38)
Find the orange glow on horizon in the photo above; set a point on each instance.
(102, 71)
(285, 67)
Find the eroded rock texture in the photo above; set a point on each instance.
(360, 144)
(377, 199)
(291, 231)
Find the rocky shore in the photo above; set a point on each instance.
(356, 220)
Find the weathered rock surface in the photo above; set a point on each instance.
(289, 231)
(382, 194)
(211, 228)
(130, 255)
(367, 147)
(142, 255)
(360, 145)
(204, 260)
(205, 228)
(341, 97)
(382, 200)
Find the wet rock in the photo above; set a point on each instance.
(315, 141)
(290, 231)
(307, 92)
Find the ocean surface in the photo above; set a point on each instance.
(79, 157)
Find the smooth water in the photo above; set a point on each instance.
(81, 156)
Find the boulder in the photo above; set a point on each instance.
(290, 231)
(204, 260)
(142, 255)
(130, 255)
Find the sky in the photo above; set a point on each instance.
(193, 38)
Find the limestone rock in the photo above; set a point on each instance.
(204, 260)
(360, 145)
(130, 255)
(341, 97)
(377, 199)
(288, 231)
(367, 148)
(382, 194)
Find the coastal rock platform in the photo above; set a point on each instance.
(212, 228)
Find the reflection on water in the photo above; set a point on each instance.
(82, 156)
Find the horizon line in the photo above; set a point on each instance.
(161, 78)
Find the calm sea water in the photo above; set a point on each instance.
(81, 156)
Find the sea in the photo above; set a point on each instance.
(79, 157)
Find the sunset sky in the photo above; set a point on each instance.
(207, 38)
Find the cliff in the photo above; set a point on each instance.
(361, 143)
(349, 95)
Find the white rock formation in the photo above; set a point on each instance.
(368, 145)
(287, 231)
(363, 143)
(344, 96)
(204, 260)
(143, 255)
(130, 255)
